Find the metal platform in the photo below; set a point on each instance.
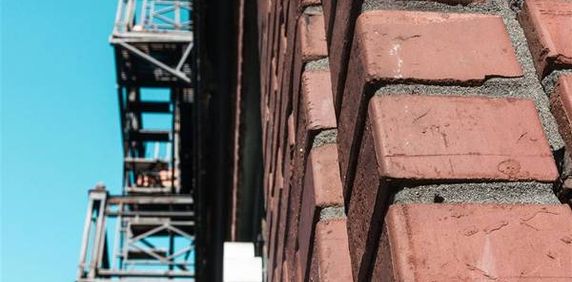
(148, 232)
(147, 242)
(153, 41)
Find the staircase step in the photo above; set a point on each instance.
(142, 164)
(147, 190)
(151, 107)
(150, 135)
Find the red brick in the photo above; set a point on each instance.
(331, 252)
(315, 116)
(340, 31)
(291, 131)
(340, 18)
(274, 222)
(312, 37)
(310, 45)
(282, 234)
(561, 102)
(296, 272)
(280, 209)
(295, 10)
(322, 188)
(275, 229)
(270, 144)
(477, 242)
(281, 101)
(267, 47)
(285, 277)
(548, 29)
(279, 109)
(420, 137)
(439, 139)
(405, 47)
(328, 6)
(286, 60)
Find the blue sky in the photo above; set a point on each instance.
(59, 131)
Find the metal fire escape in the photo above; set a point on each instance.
(148, 232)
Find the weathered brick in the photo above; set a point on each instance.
(329, 9)
(331, 256)
(317, 114)
(279, 109)
(439, 139)
(277, 198)
(297, 272)
(322, 188)
(291, 131)
(280, 209)
(420, 137)
(476, 242)
(561, 106)
(341, 16)
(310, 45)
(295, 10)
(307, 43)
(285, 277)
(406, 47)
(548, 29)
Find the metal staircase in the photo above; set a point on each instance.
(148, 232)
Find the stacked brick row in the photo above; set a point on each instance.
(416, 140)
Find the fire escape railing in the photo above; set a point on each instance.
(148, 232)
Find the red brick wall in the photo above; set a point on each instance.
(416, 140)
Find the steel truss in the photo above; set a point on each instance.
(153, 238)
(148, 232)
(151, 155)
(159, 40)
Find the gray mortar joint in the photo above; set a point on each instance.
(313, 10)
(335, 212)
(324, 137)
(481, 192)
(320, 64)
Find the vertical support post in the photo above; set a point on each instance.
(118, 23)
(117, 238)
(129, 14)
(99, 196)
(85, 239)
(175, 168)
(177, 11)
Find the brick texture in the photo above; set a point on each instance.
(322, 189)
(405, 47)
(331, 252)
(316, 115)
(440, 139)
(548, 28)
(561, 101)
(476, 242)
(415, 140)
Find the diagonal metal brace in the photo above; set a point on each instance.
(176, 72)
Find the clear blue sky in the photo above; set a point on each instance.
(59, 131)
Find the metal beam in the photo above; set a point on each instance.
(143, 55)
(174, 199)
